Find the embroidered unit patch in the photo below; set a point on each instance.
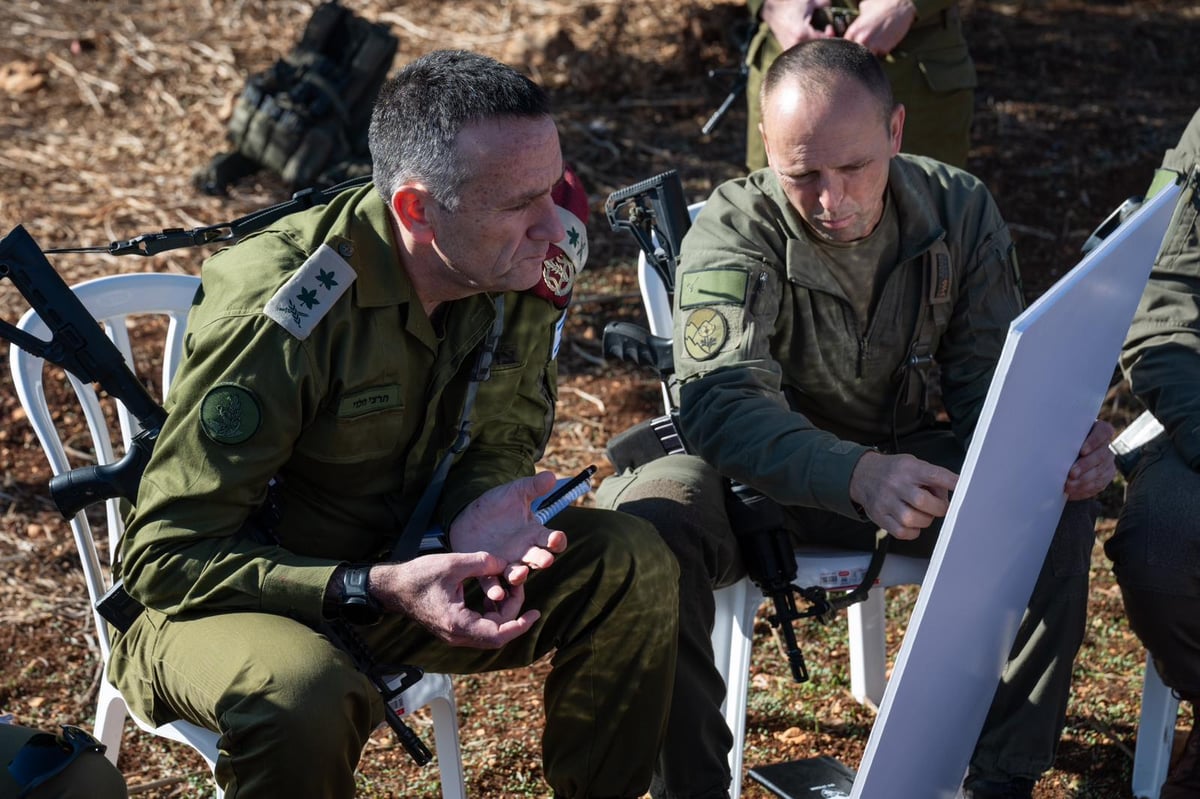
(308, 295)
(230, 414)
(704, 333)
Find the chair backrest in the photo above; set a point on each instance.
(657, 302)
(112, 301)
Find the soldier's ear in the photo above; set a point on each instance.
(766, 144)
(411, 204)
(896, 128)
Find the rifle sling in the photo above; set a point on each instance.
(418, 523)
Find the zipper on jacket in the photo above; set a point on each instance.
(759, 284)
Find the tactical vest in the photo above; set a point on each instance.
(305, 118)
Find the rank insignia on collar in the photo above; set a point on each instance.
(566, 257)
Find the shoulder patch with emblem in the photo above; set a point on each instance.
(704, 333)
(719, 286)
(230, 414)
(308, 295)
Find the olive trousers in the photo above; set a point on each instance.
(684, 498)
(293, 713)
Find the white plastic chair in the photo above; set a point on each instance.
(737, 604)
(1160, 705)
(112, 300)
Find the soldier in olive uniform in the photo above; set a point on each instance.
(333, 355)
(69, 764)
(803, 294)
(1156, 547)
(920, 44)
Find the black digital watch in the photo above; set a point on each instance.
(355, 603)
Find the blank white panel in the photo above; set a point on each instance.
(1053, 373)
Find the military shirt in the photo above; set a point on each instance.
(777, 387)
(1161, 355)
(309, 358)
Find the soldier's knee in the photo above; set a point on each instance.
(622, 557)
(628, 542)
(680, 495)
(1168, 624)
(314, 709)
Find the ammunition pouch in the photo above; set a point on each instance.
(306, 117)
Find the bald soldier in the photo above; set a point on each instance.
(811, 297)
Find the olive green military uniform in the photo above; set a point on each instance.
(1156, 546)
(783, 388)
(930, 70)
(65, 773)
(309, 359)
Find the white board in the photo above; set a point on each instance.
(1053, 373)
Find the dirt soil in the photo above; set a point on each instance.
(106, 109)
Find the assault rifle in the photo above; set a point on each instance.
(78, 344)
(655, 212)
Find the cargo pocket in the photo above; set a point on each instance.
(948, 70)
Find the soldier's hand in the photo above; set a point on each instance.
(881, 24)
(1095, 467)
(430, 590)
(501, 523)
(900, 493)
(791, 20)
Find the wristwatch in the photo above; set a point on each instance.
(355, 603)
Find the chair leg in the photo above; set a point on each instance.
(449, 755)
(733, 635)
(868, 648)
(110, 720)
(437, 692)
(1155, 735)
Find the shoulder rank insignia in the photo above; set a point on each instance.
(704, 333)
(308, 295)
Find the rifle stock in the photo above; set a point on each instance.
(79, 345)
(655, 212)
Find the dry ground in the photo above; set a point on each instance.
(106, 108)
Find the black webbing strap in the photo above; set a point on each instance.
(175, 238)
(418, 523)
